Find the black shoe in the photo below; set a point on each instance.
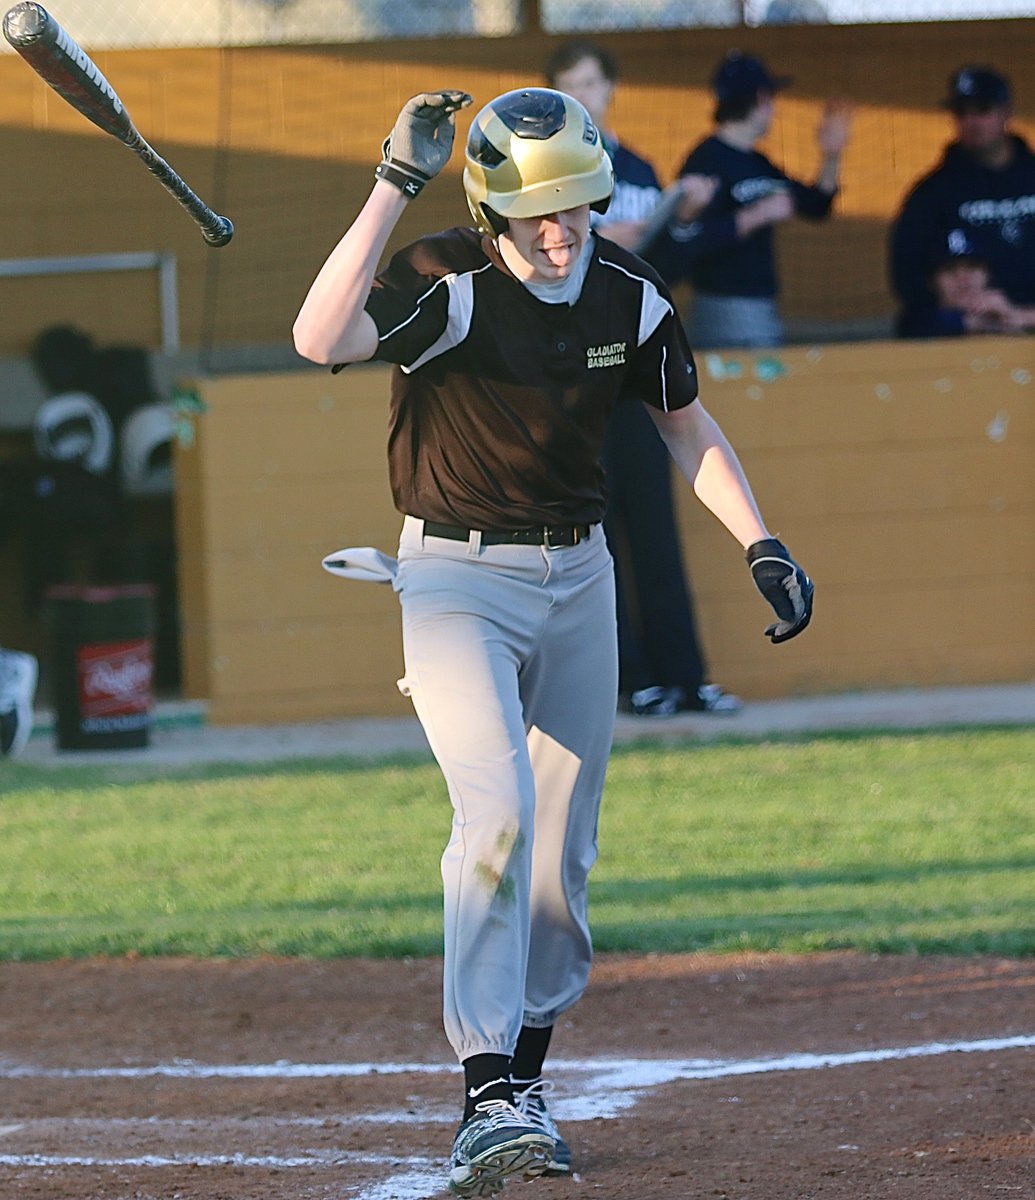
(711, 698)
(657, 701)
(497, 1142)
(667, 701)
(530, 1103)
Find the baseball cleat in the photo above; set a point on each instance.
(497, 1142)
(530, 1103)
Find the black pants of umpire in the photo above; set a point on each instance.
(658, 642)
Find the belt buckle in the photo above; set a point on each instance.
(550, 545)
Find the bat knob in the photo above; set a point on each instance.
(220, 233)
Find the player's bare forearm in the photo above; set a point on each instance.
(332, 325)
(710, 465)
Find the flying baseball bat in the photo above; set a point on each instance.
(70, 71)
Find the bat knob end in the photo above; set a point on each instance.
(220, 233)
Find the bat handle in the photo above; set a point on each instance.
(218, 231)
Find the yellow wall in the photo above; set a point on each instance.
(900, 473)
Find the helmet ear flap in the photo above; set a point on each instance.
(497, 223)
(601, 206)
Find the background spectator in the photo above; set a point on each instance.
(727, 253)
(982, 196)
(965, 300)
(662, 667)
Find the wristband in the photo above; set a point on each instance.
(408, 182)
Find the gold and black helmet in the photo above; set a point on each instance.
(531, 152)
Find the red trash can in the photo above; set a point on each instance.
(102, 665)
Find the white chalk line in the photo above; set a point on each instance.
(613, 1086)
(627, 1071)
(313, 1158)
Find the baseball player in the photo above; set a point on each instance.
(512, 342)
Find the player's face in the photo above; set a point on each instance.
(547, 247)
(589, 85)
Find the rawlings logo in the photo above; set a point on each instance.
(114, 678)
(124, 680)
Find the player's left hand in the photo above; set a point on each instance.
(784, 585)
(421, 140)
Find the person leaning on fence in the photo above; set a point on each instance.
(980, 197)
(512, 342)
(661, 663)
(727, 253)
(965, 302)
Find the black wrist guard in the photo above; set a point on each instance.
(408, 180)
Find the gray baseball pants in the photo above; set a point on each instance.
(511, 664)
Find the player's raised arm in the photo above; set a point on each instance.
(332, 325)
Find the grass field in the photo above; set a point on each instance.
(888, 842)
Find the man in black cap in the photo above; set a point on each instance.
(981, 194)
(727, 253)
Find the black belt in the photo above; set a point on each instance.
(553, 537)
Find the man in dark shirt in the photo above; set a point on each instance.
(727, 252)
(512, 343)
(661, 662)
(979, 199)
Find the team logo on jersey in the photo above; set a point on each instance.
(1002, 212)
(745, 191)
(612, 355)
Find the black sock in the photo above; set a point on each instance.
(530, 1052)
(486, 1077)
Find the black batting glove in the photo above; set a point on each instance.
(421, 140)
(784, 585)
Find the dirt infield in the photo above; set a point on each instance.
(759, 1078)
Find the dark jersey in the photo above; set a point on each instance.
(989, 211)
(636, 191)
(500, 400)
(708, 252)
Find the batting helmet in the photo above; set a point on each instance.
(531, 152)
